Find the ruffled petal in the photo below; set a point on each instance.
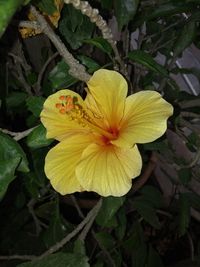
(145, 118)
(109, 90)
(54, 117)
(61, 161)
(108, 170)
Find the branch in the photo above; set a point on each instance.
(18, 135)
(37, 86)
(90, 216)
(19, 73)
(94, 17)
(87, 228)
(75, 68)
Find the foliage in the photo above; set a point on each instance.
(157, 223)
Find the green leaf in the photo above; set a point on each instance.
(59, 76)
(37, 138)
(152, 195)
(75, 27)
(106, 4)
(125, 11)
(79, 247)
(145, 209)
(185, 38)
(140, 255)
(136, 238)
(59, 260)
(7, 10)
(147, 60)
(47, 6)
(194, 200)
(91, 65)
(56, 229)
(167, 9)
(122, 223)
(184, 213)
(15, 99)
(7, 171)
(10, 149)
(184, 175)
(35, 104)
(105, 239)
(100, 43)
(156, 146)
(154, 258)
(109, 207)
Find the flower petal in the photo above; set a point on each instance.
(108, 170)
(61, 161)
(59, 125)
(109, 89)
(145, 118)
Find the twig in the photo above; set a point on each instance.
(19, 257)
(191, 246)
(190, 114)
(146, 174)
(80, 213)
(30, 206)
(18, 135)
(19, 75)
(75, 68)
(190, 103)
(86, 229)
(37, 86)
(94, 17)
(29, 24)
(90, 216)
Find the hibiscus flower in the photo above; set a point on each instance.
(98, 136)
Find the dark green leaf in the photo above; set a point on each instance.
(35, 104)
(106, 4)
(79, 247)
(146, 60)
(184, 213)
(184, 175)
(91, 65)
(168, 9)
(122, 223)
(185, 38)
(109, 207)
(136, 239)
(37, 138)
(125, 11)
(10, 149)
(59, 76)
(145, 209)
(139, 256)
(194, 200)
(105, 239)
(15, 99)
(101, 43)
(152, 195)
(75, 27)
(156, 146)
(154, 258)
(7, 171)
(7, 10)
(47, 6)
(56, 230)
(59, 260)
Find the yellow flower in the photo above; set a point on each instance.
(98, 136)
